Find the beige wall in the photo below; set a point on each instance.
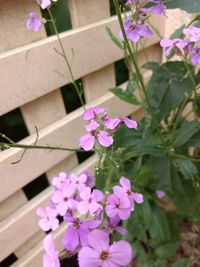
(176, 18)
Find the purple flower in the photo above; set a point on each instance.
(114, 225)
(176, 44)
(77, 232)
(87, 141)
(104, 138)
(194, 34)
(159, 8)
(33, 22)
(135, 31)
(112, 124)
(91, 113)
(64, 198)
(60, 180)
(48, 219)
(118, 206)
(90, 201)
(130, 123)
(195, 56)
(160, 194)
(78, 181)
(90, 179)
(92, 126)
(45, 3)
(125, 188)
(100, 253)
(50, 258)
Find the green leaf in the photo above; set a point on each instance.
(166, 251)
(151, 66)
(161, 172)
(185, 132)
(186, 167)
(191, 6)
(168, 87)
(114, 38)
(178, 33)
(125, 95)
(181, 263)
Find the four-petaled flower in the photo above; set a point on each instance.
(90, 201)
(77, 232)
(118, 206)
(33, 22)
(48, 219)
(125, 188)
(64, 198)
(60, 180)
(78, 181)
(100, 253)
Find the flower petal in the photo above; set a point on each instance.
(99, 240)
(121, 253)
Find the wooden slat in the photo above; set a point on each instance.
(17, 12)
(65, 132)
(36, 69)
(11, 203)
(25, 221)
(82, 13)
(14, 15)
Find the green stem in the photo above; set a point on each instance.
(78, 90)
(132, 56)
(184, 157)
(16, 145)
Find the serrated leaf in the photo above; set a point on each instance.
(114, 38)
(126, 96)
(185, 132)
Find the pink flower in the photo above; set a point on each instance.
(78, 181)
(90, 201)
(130, 123)
(160, 194)
(64, 199)
(33, 22)
(60, 180)
(45, 3)
(48, 219)
(100, 253)
(87, 141)
(91, 113)
(50, 258)
(112, 124)
(118, 206)
(176, 44)
(77, 232)
(125, 188)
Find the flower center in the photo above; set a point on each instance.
(90, 200)
(65, 199)
(104, 255)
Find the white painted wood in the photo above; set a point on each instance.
(85, 12)
(33, 77)
(65, 132)
(25, 221)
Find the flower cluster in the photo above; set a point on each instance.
(101, 128)
(134, 24)
(92, 218)
(186, 47)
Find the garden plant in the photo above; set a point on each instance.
(142, 208)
